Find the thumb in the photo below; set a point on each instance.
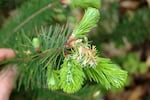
(7, 79)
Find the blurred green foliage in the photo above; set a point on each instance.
(134, 26)
(133, 65)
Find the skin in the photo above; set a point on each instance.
(7, 75)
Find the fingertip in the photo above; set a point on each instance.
(6, 54)
(10, 54)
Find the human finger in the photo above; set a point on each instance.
(6, 54)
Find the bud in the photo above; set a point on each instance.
(85, 3)
(71, 76)
(89, 20)
(52, 79)
(36, 43)
(114, 76)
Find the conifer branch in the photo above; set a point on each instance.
(49, 63)
(29, 16)
(32, 16)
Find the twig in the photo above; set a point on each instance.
(31, 17)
